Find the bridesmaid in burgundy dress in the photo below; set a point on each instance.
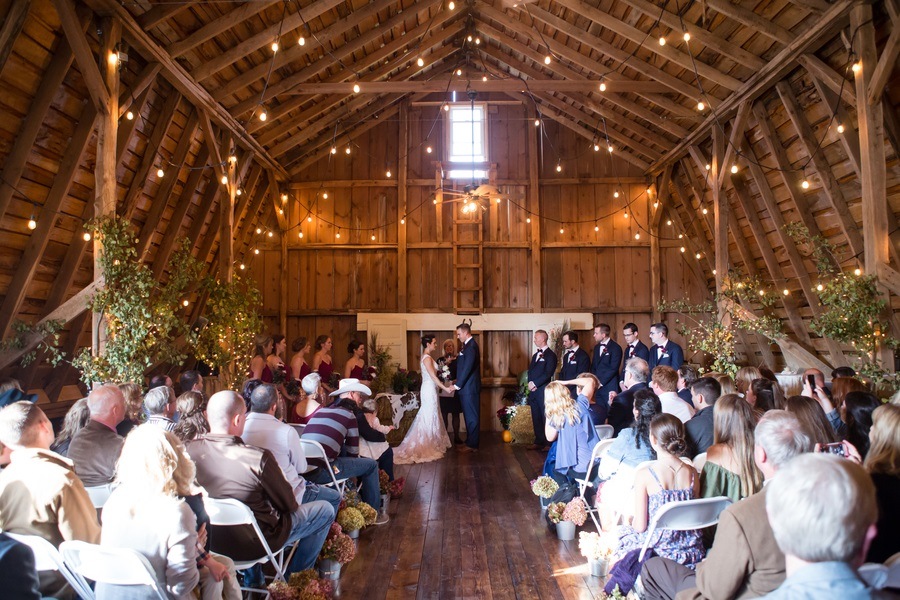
(258, 367)
(299, 367)
(322, 360)
(356, 364)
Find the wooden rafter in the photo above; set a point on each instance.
(126, 130)
(144, 82)
(275, 197)
(885, 67)
(87, 62)
(735, 139)
(750, 19)
(218, 26)
(13, 21)
(240, 211)
(161, 13)
(829, 77)
(491, 85)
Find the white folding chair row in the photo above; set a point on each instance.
(699, 461)
(114, 566)
(605, 431)
(313, 449)
(48, 558)
(299, 428)
(583, 484)
(686, 515)
(99, 494)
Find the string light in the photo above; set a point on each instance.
(561, 230)
(705, 211)
(469, 38)
(239, 191)
(708, 167)
(682, 249)
(403, 221)
(256, 251)
(669, 222)
(284, 197)
(129, 115)
(609, 149)
(734, 168)
(420, 62)
(459, 72)
(697, 256)
(451, 5)
(242, 267)
(274, 47)
(625, 214)
(687, 36)
(224, 180)
(857, 67)
(258, 231)
(337, 235)
(537, 122)
(263, 115)
(309, 219)
(113, 58)
(547, 60)
(819, 287)
(840, 128)
(334, 149)
(347, 150)
(446, 107)
(680, 236)
(786, 292)
(558, 168)
(637, 235)
(160, 173)
(300, 235)
(86, 236)
(528, 219)
(355, 88)
(596, 228)
(616, 194)
(662, 41)
(596, 147)
(388, 173)
(477, 41)
(373, 237)
(186, 302)
(271, 234)
(701, 106)
(484, 78)
(428, 149)
(325, 195)
(301, 41)
(602, 87)
(857, 272)
(804, 184)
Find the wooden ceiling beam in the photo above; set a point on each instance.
(180, 78)
(818, 70)
(885, 67)
(160, 13)
(245, 231)
(144, 81)
(240, 210)
(761, 81)
(25, 138)
(692, 263)
(849, 138)
(830, 185)
(40, 237)
(708, 39)
(590, 41)
(297, 121)
(751, 20)
(211, 29)
(636, 36)
(289, 51)
(87, 62)
(212, 145)
(126, 129)
(735, 139)
(275, 194)
(212, 232)
(341, 52)
(610, 95)
(13, 22)
(491, 85)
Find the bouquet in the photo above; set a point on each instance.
(338, 546)
(506, 415)
(595, 547)
(555, 511)
(352, 500)
(575, 511)
(544, 486)
(292, 387)
(393, 488)
(371, 373)
(305, 585)
(350, 519)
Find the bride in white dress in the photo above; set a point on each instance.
(427, 439)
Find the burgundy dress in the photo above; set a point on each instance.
(325, 370)
(304, 371)
(358, 373)
(295, 418)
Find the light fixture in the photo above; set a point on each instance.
(300, 235)
(734, 168)
(547, 60)
(325, 195)
(537, 122)
(714, 271)
(637, 235)
(242, 267)
(596, 147)
(528, 219)
(602, 87)
(662, 41)
(403, 221)
(355, 88)
(256, 251)
(477, 41)
(435, 202)
(687, 36)
(334, 149)
(428, 149)
(451, 5)
(762, 293)
(616, 194)
(820, 287)
(561, 230)
(708, 167)
(129, 115)
(625, 214)
(186, 302)
(446, 107)
(558, 168)
(224, 180)
(113, 58)
(697, 256)
(420, 62)
(840, 128)
(347, 149)
(160, 173)
(683, 249)
(86, 236)
(459, 72)
(274, 46)
(337, 235)
(263, 115)
(309, 219)
(669, 222)
(301, 41)
(857, 66)
(680, 236)
(656, 204)
(373, 237)
(469, 38)
(271, 234)
(484, 78)
(280, 211)
(609, 148)
(857, 272)
(786, 292)
(704, 211)
(700, 106)
(388, 173)
(258, 231)
(284, 197)
(804, 184)
(596, 228)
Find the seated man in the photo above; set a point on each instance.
(39, 491)
(191, 381)
(687, 375)
(699, 430)
(96, 447)
(335, 427)
(822, 509)
(228, 468)
(621, 405)
(159, 404)
(744, 561)
(263, 430)
(663, 382)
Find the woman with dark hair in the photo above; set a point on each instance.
(764, 395)
(321, 363)
(355, 368)
(192, 423)
(275, 358)
(856, 412)
(427, 439)
(77, 417)
(299, 367)
(259, 368)
(632, 446)
(812, 419)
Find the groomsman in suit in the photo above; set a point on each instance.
(575, 360)
(468, 382)
(540, 372)
(634, 347)
(664, 351)
(605, 365)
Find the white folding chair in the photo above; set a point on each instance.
(686, 515)
(99, 494)
(298, 427)
(583, 484)
(313, 449)
(114, 566)
(605, 431)
(699, 461)
(48, 558)
(227, 512)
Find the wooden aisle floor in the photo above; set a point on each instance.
(468, 526)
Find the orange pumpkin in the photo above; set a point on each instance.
(507, 436)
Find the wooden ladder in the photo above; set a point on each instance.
(468, 262)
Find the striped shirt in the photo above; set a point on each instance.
(335, 428)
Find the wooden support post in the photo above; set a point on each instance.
(282, 285)
(226, 223)
(534, 206)
(402, 175)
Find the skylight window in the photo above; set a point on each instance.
(467, 139)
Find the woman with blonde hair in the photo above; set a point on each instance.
(883, 464)
(78, 416)
(192, 423)
(727, 384)
(134, 408)
(259, 367)
(730, 469)
(569, 419)
(149, 512)
(744, 378)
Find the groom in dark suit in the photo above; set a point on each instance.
(664, 351)
(540, 372)
(468, 382)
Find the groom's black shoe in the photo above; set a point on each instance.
(458, 441)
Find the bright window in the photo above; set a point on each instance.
(467, 139)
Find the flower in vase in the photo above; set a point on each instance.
(544, 486)
(575, 511)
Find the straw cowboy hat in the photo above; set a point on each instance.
(350, 385)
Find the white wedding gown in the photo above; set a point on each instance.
(427, 439)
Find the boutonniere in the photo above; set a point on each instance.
(664, 352)
(602, 350)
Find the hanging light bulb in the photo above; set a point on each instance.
(558, 168)
(403, 221)
(804, 184)
(562, 230)
(451, 5)
(242, 267)
(537, 122)
(680, 236)
(697, 256)
(355, 88)
(687, 36)
(428, 149)
(637, 235)
(840, 128)
(857, 66)
(284, 197)
(469, 38)
(459, 72)
(596, 228)
(528, 219)
(616, 194)
(857, 272)
(258, 231)
(160, 173)
(388, 173)
(309, 219)
(484, 78)
(734, 168)
(477, 41)
(373, 237)
(347, 150)
(224, 180)
(701, 106)
(420, 62)
(625, 214)
(301, 41)
(256, 251)
(547, 60)
(669, 222)
(129, 115)
(819, 287)
(271, 234)
(113, 58)
(300, 235)
(609, 148)
(708, 166)
(683, 249)
(325, 195)
(337, 235)
(602, 87)
(446, 108)
(704, 211)
(274, 46)
(186, 302)
(662, 41)
(334, 149)
(86, 236)
(263, 115)
(786, 292)
(596, 147)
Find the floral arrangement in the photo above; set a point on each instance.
(555, 511)
(338, 546)
(382, 367)
(48, 334)
(506, 415)
(444, 373)
(394, 488)
(352, 500)
(573, 511)
(406, 381)
(596, 547)
(305, 585)
(544, 486)
(350, 519)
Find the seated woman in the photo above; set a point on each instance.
(355, 367)
(744, 378)
(667, 479)
(134, 408)
(764, 395)
(314, 397)
(730, 469)
(856, 412)
(78, 416)
(569, 419)
(192, 423)
(147, 513)
(812, 419)
(883, 464)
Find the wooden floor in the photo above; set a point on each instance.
(468, 526)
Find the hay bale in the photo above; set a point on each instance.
(521, 427)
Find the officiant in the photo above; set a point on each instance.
(451, 408)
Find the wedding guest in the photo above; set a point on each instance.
(96, 447)
(315, 397)
(191, 381)
(764, 395)
(699, 431)
(134, 408)
(570, 420)
(812, 419)
(373, 449)
(632, 446)
(726, 383)
(856, 413)
(540, 371)
(637, 374)
(744, 378)
(56, 506)
(663, 381)
(263, 430)
(827, 532)
(192, 421)
(160, 380)
(355, 367)
(883, 464)
(664, 351)
(299, 367)
(159, 403)
(228, 468)
(321, 363)
(744, 561)
(276, 356)
(729, 469)
(451, 407)
(687, 375)
(78, 416)
(17, 570)
(634, 347)
(259, 368)
(574, 360)
(767, 373)
(147, 513)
